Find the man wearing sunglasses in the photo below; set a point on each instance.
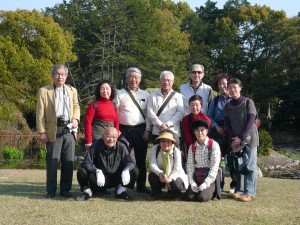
(196, 87)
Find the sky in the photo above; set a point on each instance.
(291, 7)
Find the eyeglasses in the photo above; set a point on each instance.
(134, 78)
(197, 72)
(111, 136)
(59, 75)
(166, 80)
(200, 130)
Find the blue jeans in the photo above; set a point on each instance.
(250, 179)
(245, 183)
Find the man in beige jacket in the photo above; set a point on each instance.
(57, 118)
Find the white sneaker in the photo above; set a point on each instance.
(231, 190)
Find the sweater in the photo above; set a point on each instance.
(105, 111)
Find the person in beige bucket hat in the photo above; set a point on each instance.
(166, 167)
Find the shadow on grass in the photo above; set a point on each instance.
(32, 190)
(36, 190)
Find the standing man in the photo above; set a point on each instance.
(165, 107)
(57, 115)
(134, 124)
(196, 87)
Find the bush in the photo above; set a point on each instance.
(12, 153)
(265, 143)
(42, 154)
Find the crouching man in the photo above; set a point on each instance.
(107, 165)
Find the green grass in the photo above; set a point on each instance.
(291, 154)
(22, 202)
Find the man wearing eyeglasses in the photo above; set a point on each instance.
(107, 165)
(57, 118)
(165, 107)
(196, 87)
(134, 122)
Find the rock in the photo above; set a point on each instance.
(296, 162)
(271, 167)
(278, 167)
(259, 174)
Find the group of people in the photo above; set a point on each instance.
(190, 132)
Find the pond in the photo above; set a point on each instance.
(30, 161)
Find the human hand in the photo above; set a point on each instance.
(235, 142)
(87, 146)
(43, 138)
(74, 123)
(203, 186)
(220, 131)
(163, 178)
(100, 178)
(146, 135)
(164, 126)
(194, 187)
(125, 177)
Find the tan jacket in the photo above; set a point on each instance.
(46, 120)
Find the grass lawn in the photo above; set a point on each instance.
(22, 202)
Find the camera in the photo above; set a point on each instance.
(61, 121)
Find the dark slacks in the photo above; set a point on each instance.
(61, 150)
(201, 196)
(176, 186)
(89, 180)
(134, 135)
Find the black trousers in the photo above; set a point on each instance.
(134, 135)
(61, 150)
(89, 180)
(201, 196)
(176, 186)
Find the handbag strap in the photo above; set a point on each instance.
(135, 102)
(165, 103)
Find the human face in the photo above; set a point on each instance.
(165, 144)
(59, 77)
(195, 107)
(166, 83)
(110, 137)
(234, 90)
(201, 134)
(105, 91)
(222, 85)
(196, 75)
(133, 80)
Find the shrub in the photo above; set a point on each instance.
(42, 154)
(12, 153)
(148, 165)
(265, 143)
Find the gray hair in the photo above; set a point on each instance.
(59, 66)
(166, 72)
(134, 69)
(196, 65)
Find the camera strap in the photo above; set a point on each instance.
(60, 99)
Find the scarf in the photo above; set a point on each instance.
(166, 162)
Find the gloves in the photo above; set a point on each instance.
(203, 186)
(100, 178)
(125, 177)
(194, 187)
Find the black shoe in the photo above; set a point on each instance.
(83, 197)
(65, 194)
(50, 195)
(124, 196)
(143, 190)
